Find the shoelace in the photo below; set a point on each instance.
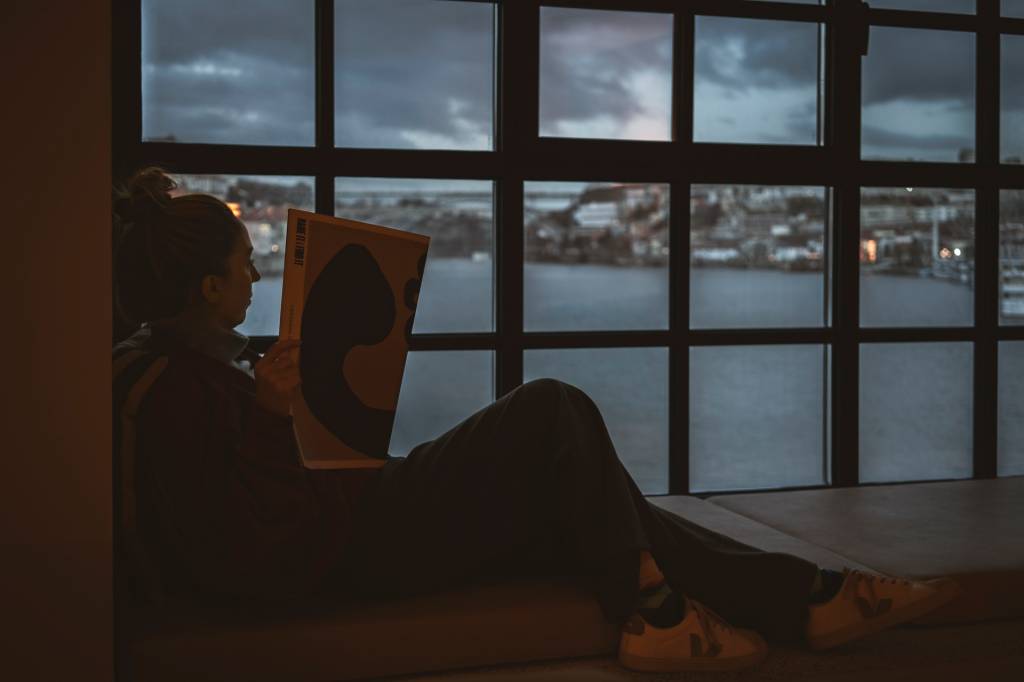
(707, 619)
(852, 578)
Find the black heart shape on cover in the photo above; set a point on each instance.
(350, 304)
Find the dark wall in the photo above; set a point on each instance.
(54, 359)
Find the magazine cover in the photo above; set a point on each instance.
(350, 294)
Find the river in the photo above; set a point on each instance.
(758, 414)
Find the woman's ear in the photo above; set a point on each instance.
(210, 288)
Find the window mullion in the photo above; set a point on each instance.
(126, 81)
(683, 47)
(518, 66)
(845, 48)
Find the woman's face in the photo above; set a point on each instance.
(233, 289)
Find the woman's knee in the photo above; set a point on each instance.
(547, 390)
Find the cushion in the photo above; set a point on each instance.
(483, 624)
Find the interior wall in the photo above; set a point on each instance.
(55, 282)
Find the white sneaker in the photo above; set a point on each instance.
(867, 603)
(702, 641)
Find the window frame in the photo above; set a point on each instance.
(520, 154)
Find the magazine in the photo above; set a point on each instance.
(350, 294)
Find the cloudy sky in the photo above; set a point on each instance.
(419, 74)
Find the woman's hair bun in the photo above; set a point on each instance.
(146, 194)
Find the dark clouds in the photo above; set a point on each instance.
(877, 137)
(588, 58)
(922, 65)
(414, 73)
(1012, 96)
(238, 72)
(756, 81)
(918, 94)
(769, 54)
(409, 72)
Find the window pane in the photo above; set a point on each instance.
(757, 417)
(596, 256)
(630, 387)
(1013, 8)
(1011, 122)
(214, 75)
(916, 257)
(605, 74)
(757, 256)
(915, 411)
(918, 96)
(1011, 257)
(756, 81)
(959, 6)
(413, 74)
(1011, 408)
(439, 390)
(261, 202)
(458, 216)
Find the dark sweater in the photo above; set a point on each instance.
(225, 506)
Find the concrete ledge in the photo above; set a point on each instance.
(750, 532)
(972, 531)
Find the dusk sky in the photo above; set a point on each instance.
(419, 74)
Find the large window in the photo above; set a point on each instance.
(781, 244)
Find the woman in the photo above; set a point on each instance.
(529, 485)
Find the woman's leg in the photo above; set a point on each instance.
(529, 484)
(532, 484)
(766, 591)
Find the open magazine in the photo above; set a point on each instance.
(350, 294)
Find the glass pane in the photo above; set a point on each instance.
(458, 216)
(1011, 256)
(757, 417)
(213, 75)
(1011, 121)
(915, 411)
(605, 74)
(596, 256)
(959, 6)
(261, 202)
(757, 256)
(413, 74)
(630, 388)
(756, 81)
(916, 257)
(1013, 8)
(918, 96)
(439, 390)
(1011, 408)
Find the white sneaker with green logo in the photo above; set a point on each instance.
(701, 641)
(867, 603)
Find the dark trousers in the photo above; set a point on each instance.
(532, 485)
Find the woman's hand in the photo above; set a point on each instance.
(277, 375)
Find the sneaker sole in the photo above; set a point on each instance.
(942, 596)
(670, 665)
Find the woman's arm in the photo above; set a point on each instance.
(233, 505)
